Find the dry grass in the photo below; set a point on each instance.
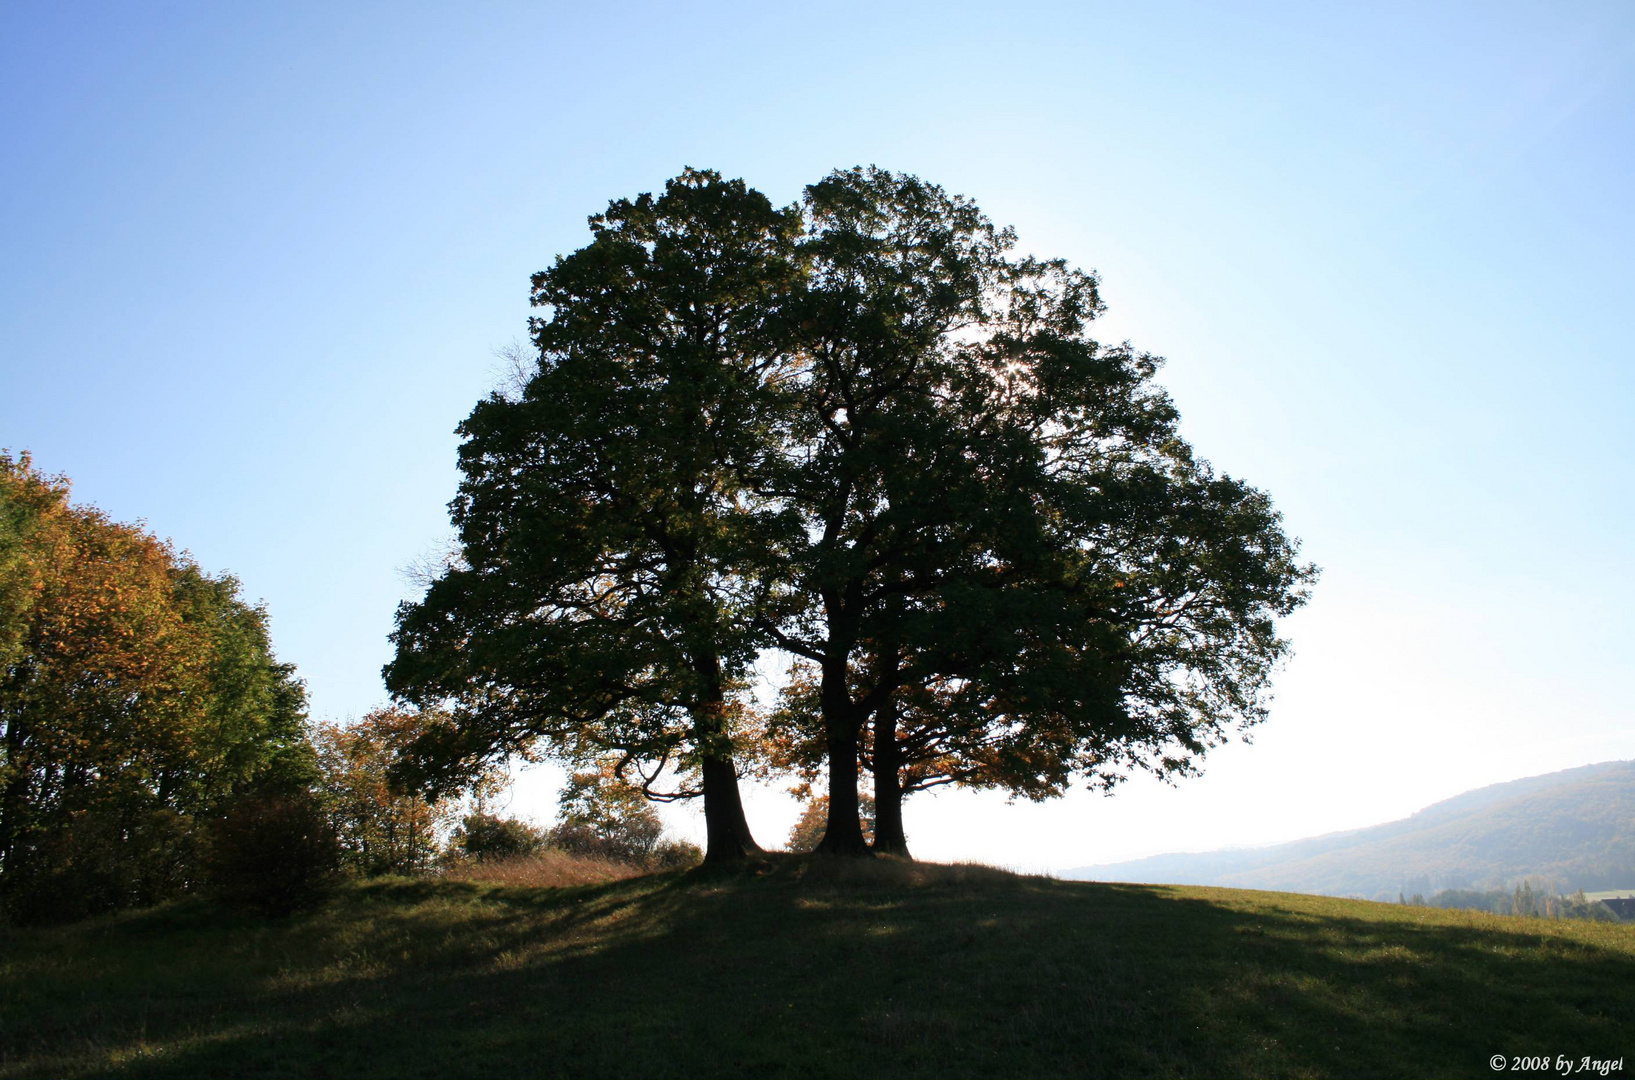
(547, 869)
(889, 871)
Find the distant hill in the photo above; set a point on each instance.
(1575, 827)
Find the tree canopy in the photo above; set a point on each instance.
(863, 431)
(608, 524)
(137, 694)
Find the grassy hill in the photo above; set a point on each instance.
(803, 967)
(1575, 827)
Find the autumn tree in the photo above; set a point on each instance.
(807, 832)
(610, 529)
(383, 827)
(137, 693)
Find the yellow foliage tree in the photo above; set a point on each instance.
(136, 692)
(383, 827)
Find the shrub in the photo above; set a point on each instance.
(675, 855)
(274, 852)
(486, 836)
(103, 860)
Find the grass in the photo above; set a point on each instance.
(809, 967)
(548, 869)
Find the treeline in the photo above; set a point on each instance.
(152, 746)
(139, 697)
(1526, 900)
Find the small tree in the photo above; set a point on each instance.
(604, 815)
(383, 828)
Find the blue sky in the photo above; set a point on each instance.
(254, 264)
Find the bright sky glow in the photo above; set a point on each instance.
(255, 260)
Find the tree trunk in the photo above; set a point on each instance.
(727, 835)
(727, 830)
(844, 834)
(888, 789)
(14, 796)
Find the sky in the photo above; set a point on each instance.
(256, 260)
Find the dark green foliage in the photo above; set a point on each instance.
(274, 851)
(1012, 566)
(487, 836)
(605, 519)
(865, 431)
(105, 859)
(804, 967)
(256, 711)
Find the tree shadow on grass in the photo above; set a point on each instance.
(805, 968)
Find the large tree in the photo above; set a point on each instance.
(866, 432)
(1016, 572)
(884, 474)
(611, 530)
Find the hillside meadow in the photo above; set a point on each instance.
(810, 967)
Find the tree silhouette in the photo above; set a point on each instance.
(864, 431)
(608, 519)
(1014, 570)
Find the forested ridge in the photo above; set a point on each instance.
(1573, 829)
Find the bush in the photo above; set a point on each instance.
(607, 817)
(675, 855)
(103, 860)
(587, 841)
(485, 836)
(274, 852)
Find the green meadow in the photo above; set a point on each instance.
(811, 967)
